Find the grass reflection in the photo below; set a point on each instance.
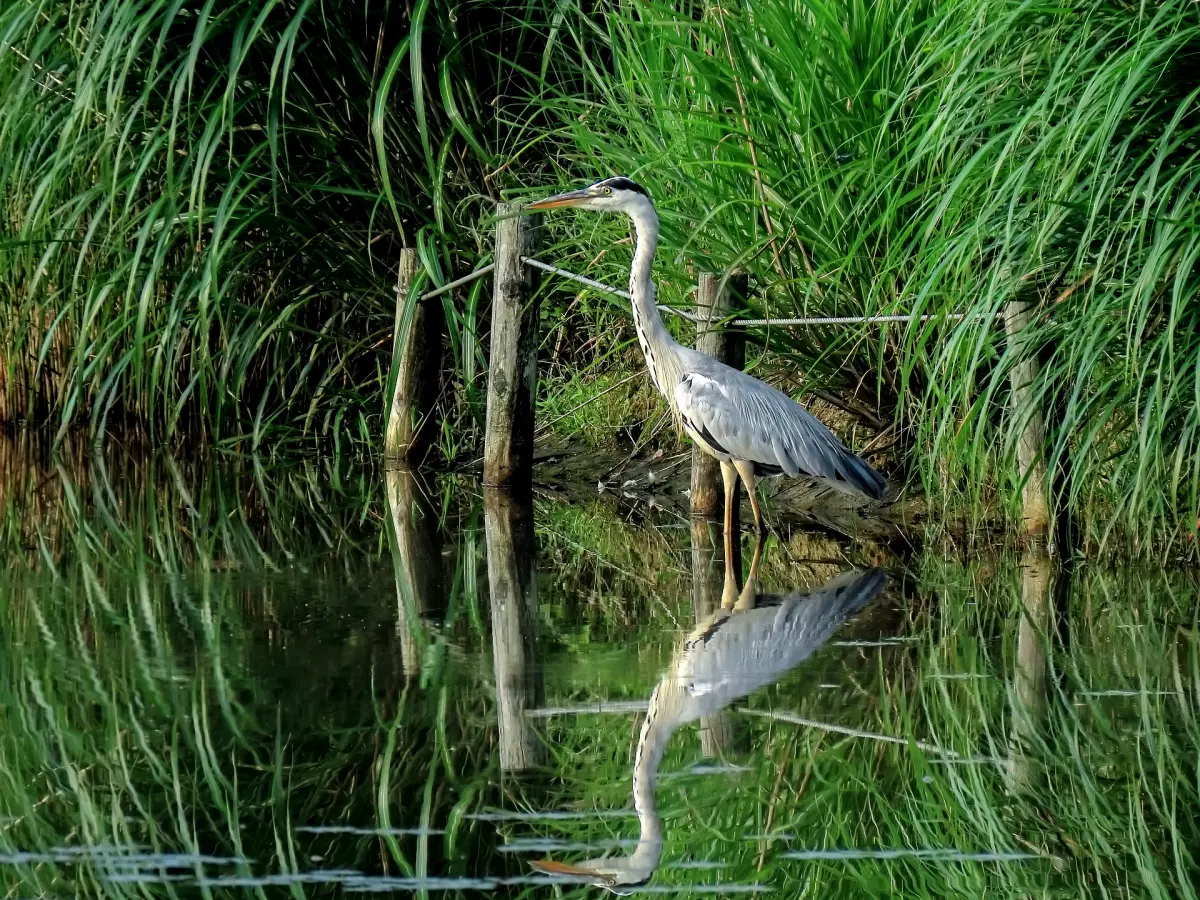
(203, 689)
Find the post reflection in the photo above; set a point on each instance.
(717, 734)
(417, 561)
(1029, 670)
(511, 561)
(752, 640)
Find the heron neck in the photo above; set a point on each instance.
(658, 346)
(652, 743)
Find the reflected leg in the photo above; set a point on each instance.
(729, 592)
(746, 598)
(718, 734)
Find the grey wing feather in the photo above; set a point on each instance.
(752, 421)
(751, 648)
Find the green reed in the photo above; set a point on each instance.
(908, 157)
(203, 206)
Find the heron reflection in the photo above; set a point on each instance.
(751, 641)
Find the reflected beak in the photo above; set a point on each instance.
(551, 867)
(570, 198)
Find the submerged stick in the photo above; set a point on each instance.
(842, 729)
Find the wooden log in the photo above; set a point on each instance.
(512, 364)
(411, 425)
(1027, 411)
(512, 589)
(416, 562)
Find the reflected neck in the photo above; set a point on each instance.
(652, 743)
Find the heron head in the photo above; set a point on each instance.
(618, 875)
(616, 194)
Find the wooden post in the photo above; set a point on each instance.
(715, 302)
(512, 589)
(416, 562)
(410, 428)
(1027, 408)
(512, 366)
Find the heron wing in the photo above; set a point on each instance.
(747, 649)
(746, 419)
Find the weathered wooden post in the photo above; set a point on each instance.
(411, 425)
(1027, 408)
(512, 366)
(416, 561)
(512, 588)
(715, 303)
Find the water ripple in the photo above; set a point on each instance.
(374, 832)
(935, 854)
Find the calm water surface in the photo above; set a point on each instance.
(238, 681)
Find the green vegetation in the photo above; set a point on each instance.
(203, 204)
(939, 159)
(202, 209)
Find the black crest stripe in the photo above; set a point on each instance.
(621, 183)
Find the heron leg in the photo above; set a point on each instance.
(729, 474)
(746, 470)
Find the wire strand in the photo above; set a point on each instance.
(457, 282)
(808, 321)
(601, 286)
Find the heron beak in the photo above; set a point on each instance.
(551, 867)
(570, 198)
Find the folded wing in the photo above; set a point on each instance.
(741, 416)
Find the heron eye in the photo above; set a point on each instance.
(608, 190)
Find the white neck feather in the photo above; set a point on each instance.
(652, 743)
(659, 348)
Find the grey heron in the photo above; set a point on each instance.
(751, 641)
(751, 427)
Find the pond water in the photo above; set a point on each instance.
(315, 681)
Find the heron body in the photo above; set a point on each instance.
(751, 427)
(752, 641)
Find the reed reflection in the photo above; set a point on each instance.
(751, 641)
